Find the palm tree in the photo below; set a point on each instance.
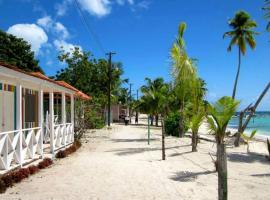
(197, 110)
(266, 8)
(154, 101)
(241, 34)
(219, 116)
(183, 72)
(152, 85)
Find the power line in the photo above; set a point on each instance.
(88, 27)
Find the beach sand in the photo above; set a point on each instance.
(118, 164)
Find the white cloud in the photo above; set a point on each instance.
(122, 2)
(61, 30)
(32, 33)
(63, 45)
(97, 8)
(55, 27)
(46, 22)
(144, 4)
(62, 8)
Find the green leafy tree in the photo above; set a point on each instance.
(219, 116)
(154, 102)
(242, 34)
(184, 73)
(90, 76)
(152, 85)
(17, 52)
(197, 110)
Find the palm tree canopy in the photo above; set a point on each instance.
(220, 114)
(266, 8)
(242, 31)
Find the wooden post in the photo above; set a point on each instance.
(40, 119)
(72, 114)
(63, 117)
(19, 120)
(51, 109)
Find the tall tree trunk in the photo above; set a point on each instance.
(222, 171)
(194, 141)
(238, 134)
(255, 106)
(242, 127)
(163, 139)
(156, 118)
(152, 120)
(181, 122)
(237, 74)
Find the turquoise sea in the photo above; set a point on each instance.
(260, 122)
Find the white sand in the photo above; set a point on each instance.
(118, 164)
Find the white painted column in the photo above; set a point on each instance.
(40, 119)
(51, 110)
(72, 114)
(19, 121)
(63, 108)
(63, 117)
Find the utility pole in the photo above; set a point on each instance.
(109, 85)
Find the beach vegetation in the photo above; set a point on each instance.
(184, 74)
(266, 8)
(16, 51)
(247, 138)
(241, 35)
(219, 115)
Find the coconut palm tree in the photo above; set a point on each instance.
(183, 72)
(155, 84)
(197, 110)
(154, 101)
(241, 34)
(219, 116)
(266, 8)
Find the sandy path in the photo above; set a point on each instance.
(118, 164)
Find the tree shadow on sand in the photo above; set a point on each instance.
(180, 154)
(133, 140)
(260, 175)
(247, 157)
(187, 176)
(132, 151)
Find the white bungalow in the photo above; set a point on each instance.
(36, 116)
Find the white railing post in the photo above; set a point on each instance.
(40, 119)
(63, 106)
(72, 115)
(19, 120)
(51, 110)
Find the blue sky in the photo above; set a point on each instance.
(142, 32)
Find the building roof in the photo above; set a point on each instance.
(43, 77)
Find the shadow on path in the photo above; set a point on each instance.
(180, 154)
(131, 151)
(186, 176)
(247, 157)
(260, 175)
(133, 140)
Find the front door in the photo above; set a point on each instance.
(7, 121)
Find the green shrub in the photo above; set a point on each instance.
(94, 119)
(172, 124)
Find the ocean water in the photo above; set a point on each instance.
(260, 122)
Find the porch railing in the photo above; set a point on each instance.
(20, 146)
(63, 135)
